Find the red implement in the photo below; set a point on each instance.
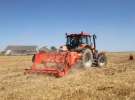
(62, 62)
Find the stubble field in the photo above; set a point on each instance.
(116, 81)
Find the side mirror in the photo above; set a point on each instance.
(94, 36)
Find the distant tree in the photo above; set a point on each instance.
(2, 53)
(53, 48)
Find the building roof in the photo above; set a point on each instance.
(21, 47)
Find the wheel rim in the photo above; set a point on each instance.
(102, 61)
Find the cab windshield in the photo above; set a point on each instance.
(76, 41)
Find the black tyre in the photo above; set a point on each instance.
(87, 58)
(33, 58)
(102, 60)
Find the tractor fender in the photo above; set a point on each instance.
(101, 54)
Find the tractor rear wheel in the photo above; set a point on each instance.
(87, 58)
(102, 60)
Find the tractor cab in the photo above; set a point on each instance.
(80, 40)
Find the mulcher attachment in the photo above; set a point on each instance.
(55, 63)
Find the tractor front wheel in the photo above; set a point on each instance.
(102, 60)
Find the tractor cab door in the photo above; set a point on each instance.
(72, 42)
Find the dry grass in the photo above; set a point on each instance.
(116, 81)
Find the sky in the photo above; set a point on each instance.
(45, 22)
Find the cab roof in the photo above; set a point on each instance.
(77, 34)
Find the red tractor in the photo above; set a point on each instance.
(79, 49)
